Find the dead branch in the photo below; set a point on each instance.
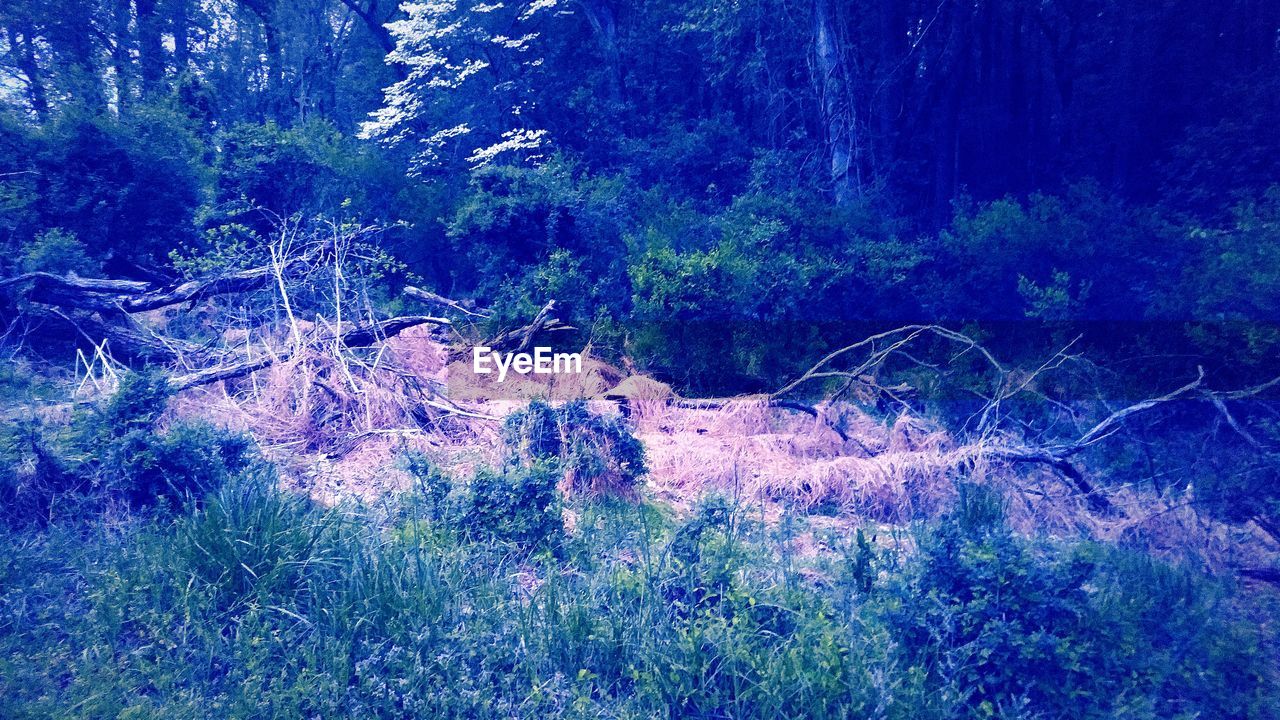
(1111, 424)
(383, 329)
(996, 442)
(517, 339)
(220, 373)
(520, 338)
(897, 339)
(131, 296)
(431, 298)
(1097, 502)
(354, 338)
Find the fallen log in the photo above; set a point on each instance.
(384, 329)
(132, 296)
(125, 338)
(1263, 574)
(519, 339)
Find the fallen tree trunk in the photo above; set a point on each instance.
(131, 296)
(384, 329)
(516, 339)
(126, 339)
(218, 374)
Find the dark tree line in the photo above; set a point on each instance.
(927, 98)
(765, 161)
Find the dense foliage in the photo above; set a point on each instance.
(113, 452)
(684, 178)
(258, 603)
(595, 454)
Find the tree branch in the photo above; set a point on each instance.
(354, 338)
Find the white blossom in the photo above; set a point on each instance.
(445, 47)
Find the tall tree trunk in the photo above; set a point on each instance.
(179, 20)
(1127, 96)
(604, 26)
(946, 149)
(953, 82)
(275, 64)
(265, 12)
(121, 63)
(37, 94)
(151, 60)
(836, 105)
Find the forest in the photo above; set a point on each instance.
(928, 359)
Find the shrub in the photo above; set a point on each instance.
(1010, 627)
(259, 602)
(431, 484)
(115, 452)
(518, 504)
(36, 482)
(597, 455)
(135, 460)
(59, 252)
(182, 464)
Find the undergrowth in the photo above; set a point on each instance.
(115, 452)
(596, 454)
(159, 570)
(259, 603)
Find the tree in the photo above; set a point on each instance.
(470, 68)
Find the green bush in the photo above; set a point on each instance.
(432, 487)
(596, 454)
(59, 252)
(251, 543)
(37, 484)
(134, 459)
(520, 504)
(1008, 627)
(115, 452)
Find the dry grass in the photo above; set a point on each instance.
(337, 423)
(894, 473)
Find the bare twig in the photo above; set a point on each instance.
(429, 297)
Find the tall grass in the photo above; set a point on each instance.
(258, 603)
